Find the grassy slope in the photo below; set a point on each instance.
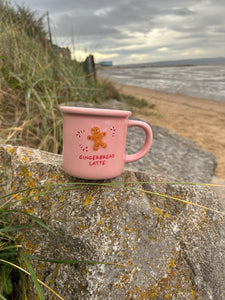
(34, 80)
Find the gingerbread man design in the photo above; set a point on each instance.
(97, 137)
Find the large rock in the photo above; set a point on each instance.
(171, 156)
(159, 248)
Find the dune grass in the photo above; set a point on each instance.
(35, 80)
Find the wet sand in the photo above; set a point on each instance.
(201, 120)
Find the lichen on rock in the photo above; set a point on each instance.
(151, 247)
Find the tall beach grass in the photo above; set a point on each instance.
(34, 80)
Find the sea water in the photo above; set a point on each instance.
(204, 81)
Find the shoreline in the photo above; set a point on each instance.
(200, 120)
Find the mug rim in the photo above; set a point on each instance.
(95, 111)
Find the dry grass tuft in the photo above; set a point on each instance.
(34, 81)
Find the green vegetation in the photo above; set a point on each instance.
(35, 80)
(12, 280)
(138, 103)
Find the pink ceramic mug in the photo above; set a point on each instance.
(94, 141)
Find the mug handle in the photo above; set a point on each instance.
(148, 140)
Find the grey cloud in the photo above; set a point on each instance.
(134, 17)
(137, 16)
(65, 5)
(180, 12)
(108, 26)
(83, 25)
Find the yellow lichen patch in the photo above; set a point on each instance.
(153, 296)
(51, 281)
(24, 171)
(82, 226)
(10, 150)
(126, 278)
(24, 160)
(126, 254)
(18, 197)
(137, 288)
(159, 211)
(56, 176)
(29, 248)
(130, 294)
(62, 198)
(118, 285)
(167, 215)
(144, 294)
(31, 183)
(88, 200)
(134, 247)
(99, 222)
(127, 229)
(67, 287)
(129, 262)
(172, 263)
(30, 210)
(27, 151)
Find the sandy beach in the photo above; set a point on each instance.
(201, 120)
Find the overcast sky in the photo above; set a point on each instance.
(134, 31)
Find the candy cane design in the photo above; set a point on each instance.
(79, 133)
(113, 130)
(84, 148)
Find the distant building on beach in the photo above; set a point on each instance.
(106, 63)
